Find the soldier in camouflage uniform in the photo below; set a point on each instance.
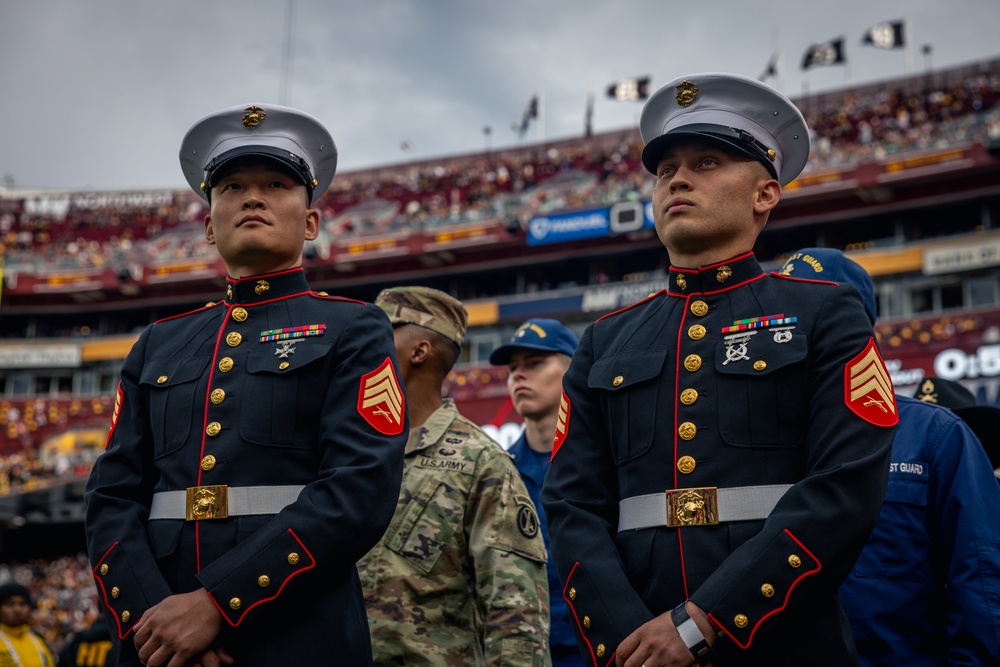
(459, 577)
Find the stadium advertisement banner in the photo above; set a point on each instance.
(961, 257)
(39, 356)
(622, 218)
(616, 297)
(564, 227)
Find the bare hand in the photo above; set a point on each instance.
(654, 644)
(213, 658)
(179, 630)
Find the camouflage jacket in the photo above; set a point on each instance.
(459, 577)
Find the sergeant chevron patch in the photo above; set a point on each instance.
(119, 397)
(381, 401)
(868, 388)
(562, 423)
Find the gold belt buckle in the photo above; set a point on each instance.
(207, 502)
(693, 507)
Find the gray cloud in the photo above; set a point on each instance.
(99, 94)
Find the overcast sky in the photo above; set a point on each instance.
(98, 94)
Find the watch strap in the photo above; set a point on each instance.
(690, 633)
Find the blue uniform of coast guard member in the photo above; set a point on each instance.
(925, 591)
(536, 358)
(256, 446)
(726, 441)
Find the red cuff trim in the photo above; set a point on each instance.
(122, 634)
(312, 564)
(784, 604)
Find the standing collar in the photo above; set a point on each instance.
(432, 430)
(717, 277)
(266, 287)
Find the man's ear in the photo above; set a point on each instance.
(420, 352)
(312, 224)
(766, 197)
(209, 232)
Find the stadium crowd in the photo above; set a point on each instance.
(64, 594)
(511, 186)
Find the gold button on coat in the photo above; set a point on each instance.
(293, 558)
(689, 396)
(213, 428)
(600, 650)
(794, 560)
(240, 314)
(263, 581)
(586, 621)
(104, 569)
(161, 379)
(225, 364)
(687, 430)
(741, 621)
(572, 594)
(208, 462)
(283, 365)
(618, 380)
(235, 603)
(233, 338)
(699, 308)
(218, 396)
(767, 590)
(686, 464)
(125, 616)
(692, 362)
(759, 365)
(697, 332)
(115, 591)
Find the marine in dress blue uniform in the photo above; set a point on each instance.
(256, 444)
(546, 336)
(726, 440)
(925, 591)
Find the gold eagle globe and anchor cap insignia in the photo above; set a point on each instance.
(294, 139)
(253, 117)
(740, 113)
(686, 93)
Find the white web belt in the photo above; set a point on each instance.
(705, 506)
(219, 502)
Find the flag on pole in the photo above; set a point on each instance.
(630, 90)
(771, 70)
(885, 35)
(828, 53)
(530, 113)
(588, 119)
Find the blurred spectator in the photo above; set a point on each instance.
(19, 646)
(89, 648)
(64, 594)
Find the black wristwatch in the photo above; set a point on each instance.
(690, 633)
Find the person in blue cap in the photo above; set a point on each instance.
(925, 591)
(536, 358)
(727, 439)
(256, 446)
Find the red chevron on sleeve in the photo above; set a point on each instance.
(868, 388)
(381, 401)
(562, 423)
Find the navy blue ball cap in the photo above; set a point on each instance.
(537, 334)
(836, 267)
(293, 138)
(738, 112)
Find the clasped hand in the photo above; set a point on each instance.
(180, 632)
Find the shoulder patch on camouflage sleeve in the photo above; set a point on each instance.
(380, 399)
(562, 423)
(518, 528)
(868, 388)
